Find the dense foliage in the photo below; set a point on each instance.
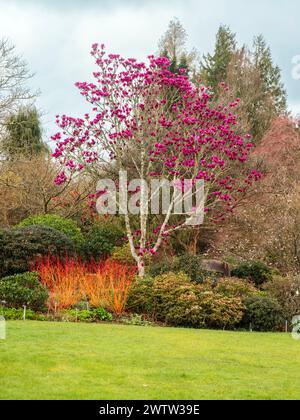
(263, 314)
(233, 287)
(19, 248)
(286, 290)
(206, 310)
(17, 314)
(191, 265)
(23, 289)
(100, 241)
(122, 254)
(66, 226)
(23, 134)
(88, 315)
(174, 299)
(255, 271)
(232, 303)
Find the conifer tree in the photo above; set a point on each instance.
(214, 66)
(269, 73)
(23, 134)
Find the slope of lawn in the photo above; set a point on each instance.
(41, 360)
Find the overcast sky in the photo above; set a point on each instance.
(55, 36)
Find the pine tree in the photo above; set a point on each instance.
(250, 76)
(23, 134)
(269, 73)
(214, 67)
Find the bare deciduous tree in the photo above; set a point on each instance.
(27, 188)
(173, 45)
(268, 228)
(14, 74)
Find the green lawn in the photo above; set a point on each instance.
(42, 360)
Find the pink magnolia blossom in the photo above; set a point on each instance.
(166, 120)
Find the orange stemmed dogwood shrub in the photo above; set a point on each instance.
(62, 280)
(109, 285)
(104, 283)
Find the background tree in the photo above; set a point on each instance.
(214, 67)
(14, 75)
(276, 208)
(234, 72)
(256, 108)
(172, 45)
(270, 74)
(27, 189)
(249, 75)
(23, 134)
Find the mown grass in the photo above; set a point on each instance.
(42, 360)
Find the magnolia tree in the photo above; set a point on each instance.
(148, 124)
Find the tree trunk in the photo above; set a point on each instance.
(141, 267)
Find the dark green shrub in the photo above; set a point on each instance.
(263, 313)
(161, 267)
(192, 266)
(23, 289)
(66, 226)
(39, 317)
(21, 247)
(101, 240)
(255, 271)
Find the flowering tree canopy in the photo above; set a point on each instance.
(155, 124)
